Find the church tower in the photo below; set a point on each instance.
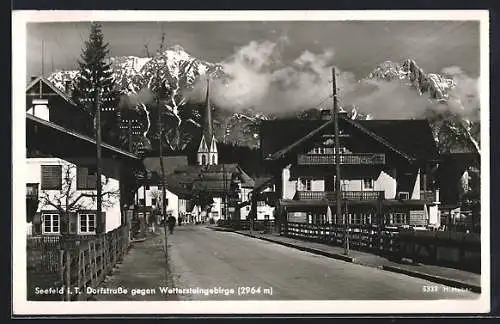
(207, 150)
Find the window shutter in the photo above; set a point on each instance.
(37, 224)
(81, 177)
(51, 177)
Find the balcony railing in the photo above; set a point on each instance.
(353, 159)
(331, 195)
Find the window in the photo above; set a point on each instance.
(51, 177)
(86, 223)
(320, 150)
(398, 219)
(355, 218)
(142, 202)
(86, 178)
(367, 183)
(306, 184)
(213, 159)
(261, 203)
(153, 201)
(32, 190)
(147, 187)
(203, 160)
(50, 224)
(248, 208)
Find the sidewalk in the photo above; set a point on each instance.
(442, 275)
(143, 269)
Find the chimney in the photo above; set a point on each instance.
(207, 122)
(67, 86)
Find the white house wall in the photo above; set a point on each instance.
(112, 206)
(173, 199)
(40, 110)
(384, 182)
(416, 187)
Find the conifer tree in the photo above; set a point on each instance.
(95, 74)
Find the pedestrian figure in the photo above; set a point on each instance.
(171, 224)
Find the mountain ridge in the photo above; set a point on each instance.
(180, 72)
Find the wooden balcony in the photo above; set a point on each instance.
(331, 195)
(346, 159)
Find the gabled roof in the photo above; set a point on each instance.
(410, 139)
(170, 163)
(203, 148)
(51, 86)
(412, 136)
(57, 130)
(216, 179)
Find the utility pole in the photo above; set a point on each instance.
(130, 136)
(160, 141)
(98, 142)
(338, 192)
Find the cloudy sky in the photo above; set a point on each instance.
(358, 46)
(354, 47)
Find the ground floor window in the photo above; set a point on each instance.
(86, 223)
(398, 219)
(51, 224)
(355, 218)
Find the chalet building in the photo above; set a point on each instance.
(44, 100)
(386, 168)
(61, 181)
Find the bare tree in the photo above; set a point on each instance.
(69, 200)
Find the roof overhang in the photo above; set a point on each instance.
(54, 139)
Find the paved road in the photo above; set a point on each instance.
(203, 258)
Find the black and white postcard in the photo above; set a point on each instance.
(219, 162)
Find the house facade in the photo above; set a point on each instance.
(386, 171)
(61, 175)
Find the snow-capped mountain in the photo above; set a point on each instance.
(434, 84)
(178, 71)
(451, 131)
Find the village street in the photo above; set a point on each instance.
(203, 258)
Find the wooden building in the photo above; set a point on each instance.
(387, 171)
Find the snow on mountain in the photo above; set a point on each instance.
(448, 127)
(178, 71)
(409, 72)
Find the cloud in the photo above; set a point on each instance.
(261, 75)
(258, 76)
(464, 97)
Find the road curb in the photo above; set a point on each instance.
(437, 279)
(303, 248)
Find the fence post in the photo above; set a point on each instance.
(79, 274)
(61, 268)
(68, 273)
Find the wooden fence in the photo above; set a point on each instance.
(267, 226)
(73, 262)
(452, 249)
